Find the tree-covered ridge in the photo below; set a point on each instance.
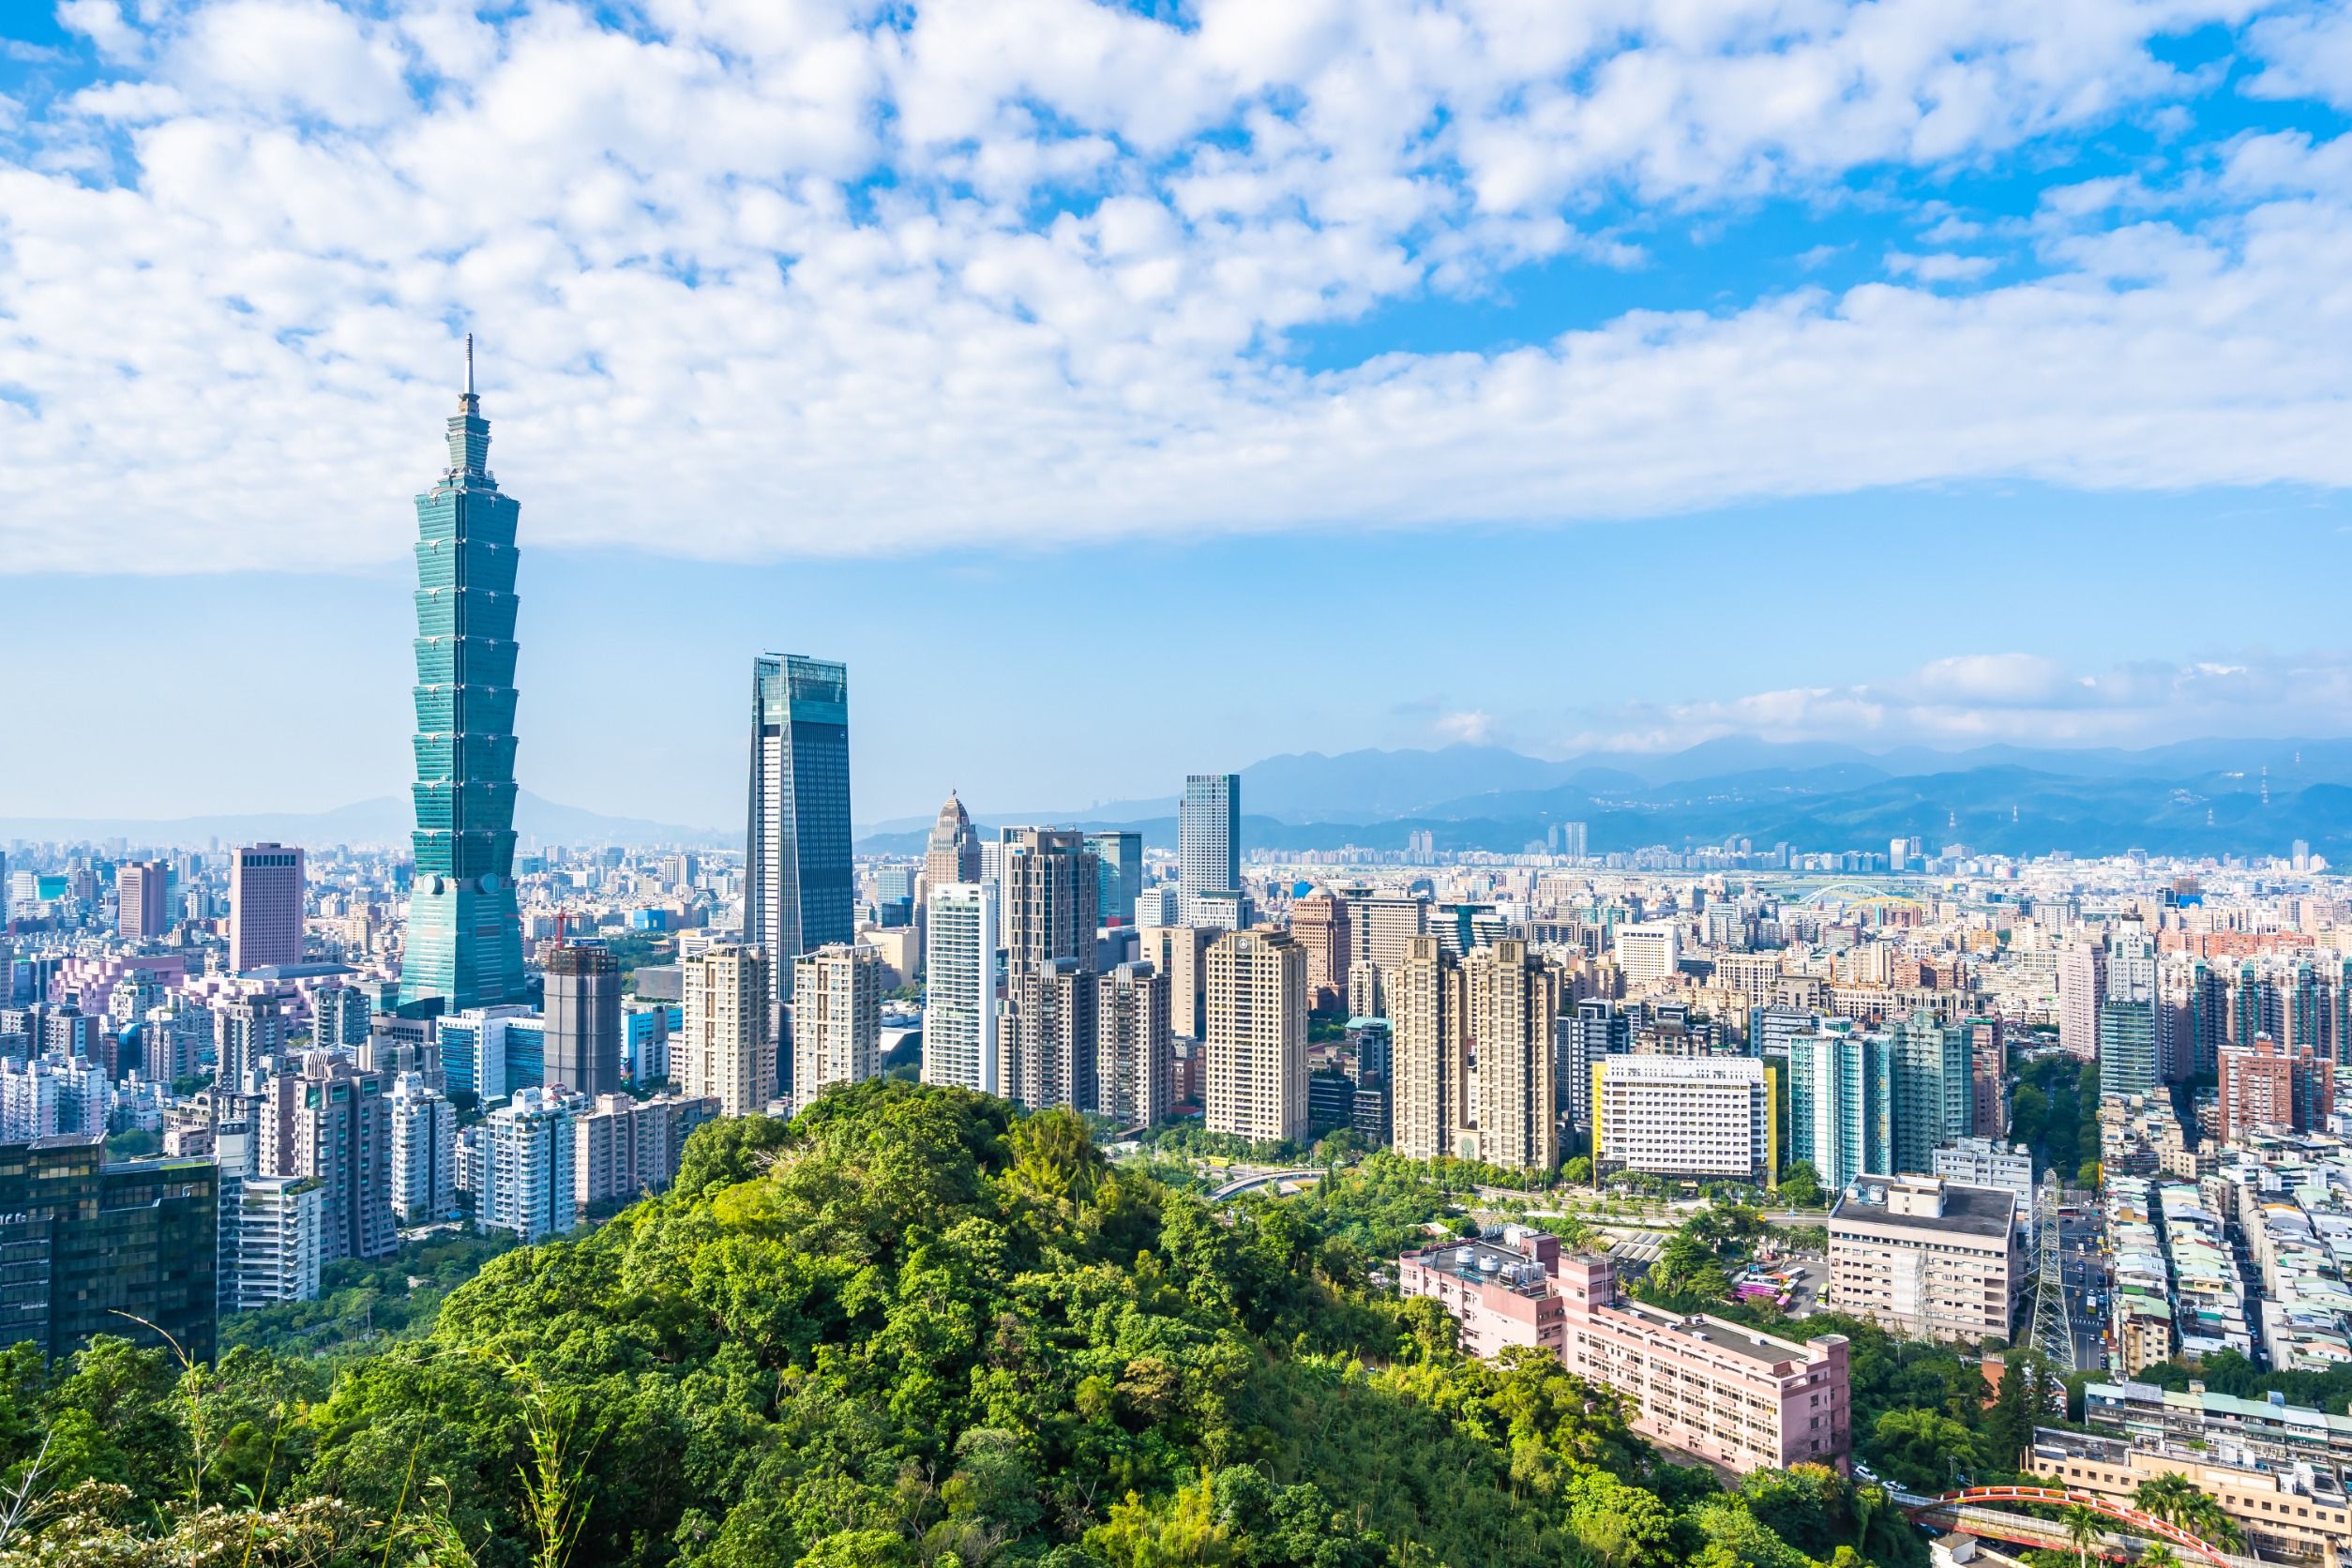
(911, 1328)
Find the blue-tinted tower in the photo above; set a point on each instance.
(464, 945)
(798, 891)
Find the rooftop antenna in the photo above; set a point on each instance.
(469, 363)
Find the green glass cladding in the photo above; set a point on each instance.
(465, 941)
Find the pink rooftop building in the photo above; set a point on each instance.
(1709, 1387)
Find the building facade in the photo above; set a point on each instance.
(1209, 841)
(953, 853)
(1927, 1257)
(836, 1018)
(1697, 1117)
(725, 1050)
(1134, 1053)
(960, 948)
(1257, 1036)
(798, 891)
(582, 1006)
(264, 907)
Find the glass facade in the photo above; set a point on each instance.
(87, 1246)
(464, 945)
(798, 890)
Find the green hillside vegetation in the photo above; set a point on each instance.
(910, 1330)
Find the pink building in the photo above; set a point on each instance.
(1710, 1388)
(140, 914)
(264, 908)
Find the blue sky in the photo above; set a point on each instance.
(1121, 397)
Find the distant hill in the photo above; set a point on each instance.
(385, 820)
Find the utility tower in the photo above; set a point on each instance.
(2053, 1326)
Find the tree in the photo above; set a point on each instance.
(2156, 1554)
(2168, 1497)
(1801, 1186)
(2083, 1528)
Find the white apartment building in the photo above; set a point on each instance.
(1256, 1044)
(622, 1147)
(1986, 1162)
(836, 1018)
(281, 1231)
(726, 1049)
(527, 1152)
(1648, 950)
(1702, 1116)
(424, 1151)
(960, 986)
(52, 1094)
(1921, 1255)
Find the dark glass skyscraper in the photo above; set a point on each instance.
(465, 941)
(798, 893)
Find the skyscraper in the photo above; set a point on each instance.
(1119, 862)
(798, 893)
(1474, 1055)
(2081, 986)
(141, 912)
(1319, 922)
(1841, 1097)
(1208, 838)
(959, 985)
(583, 1020)
(264, 907)
(1257, 1036)
(1933, 1099)
(1049, 886)
(464, 943)
(953, 853)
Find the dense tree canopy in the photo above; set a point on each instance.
(910, 1328)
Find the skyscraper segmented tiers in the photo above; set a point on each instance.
(465, 939)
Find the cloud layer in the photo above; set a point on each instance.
(757, 279)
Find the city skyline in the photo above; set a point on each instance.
(1578, 388)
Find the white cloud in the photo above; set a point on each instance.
(1470, 727)
(828, 278)
(2009, 698)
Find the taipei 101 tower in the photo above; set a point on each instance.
(464, 945)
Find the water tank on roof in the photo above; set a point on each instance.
(1489, 1264)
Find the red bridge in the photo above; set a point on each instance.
(1987, 1511)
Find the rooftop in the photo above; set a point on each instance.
(1715, 1332)
(1486, 1262)
(1987, 1212)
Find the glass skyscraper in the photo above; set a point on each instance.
(464, 943)
(798, 892)
(1209, 840)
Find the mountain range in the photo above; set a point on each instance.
(2207, 796)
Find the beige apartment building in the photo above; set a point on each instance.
(1925, 1257)
(2297, 1511)
(836, 1018)
(725, 1050)
(1257, 1036)
(1473, 1061)
(1181, 953)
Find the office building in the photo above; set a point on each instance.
(1134, 1052)
(1320, 924)
(264, 907)
(1648, 950)
(1209, 841)
(1046, 887)
(645, 1030)
(96, 1247)
(1926, 1257)
(1473, 1055)
(1119, 874)
(281, 1233)
(1257, 1036)
(527, 1150)
(465, 941)
(1592, 1031)
(1702, 1385)
(424, 1137)
(141, 900)
(2128, 1060)
(485, 1052)
(837, 1019)
(1704, 1117)
(726, 1050)
(1045, 1034)
(1381, 921)
(953, 853)
(960, 948)
(583, 1030)
(1160, 904)
(798, 890)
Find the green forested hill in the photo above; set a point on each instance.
(908, 1329)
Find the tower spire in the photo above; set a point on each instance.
(469, 363)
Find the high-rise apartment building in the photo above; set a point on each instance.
(836, 1018)
(246, 1030)
(141, 901)
(2081, 986)
(622, 1147)
(1319, 922)
(1381, 921)
(960, 946)
(726, 1049)
(1048, 885)
(1180, 954)
(341, 1018)
(798, 891)
(1209, 840)
(528, 1186)
(264, 907)
(1119, 874)
(1257, 1036)
(1841, 1102)
(2265, 1085)
(280, 1229)
(953, 854)
(324, 1117)
(1934, 1095)
(1045, 1034)
(465, 941)
(582, 1006)
(1134, 1053)
(1474, 1055)
(424, 1134)
(1989, 1069)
